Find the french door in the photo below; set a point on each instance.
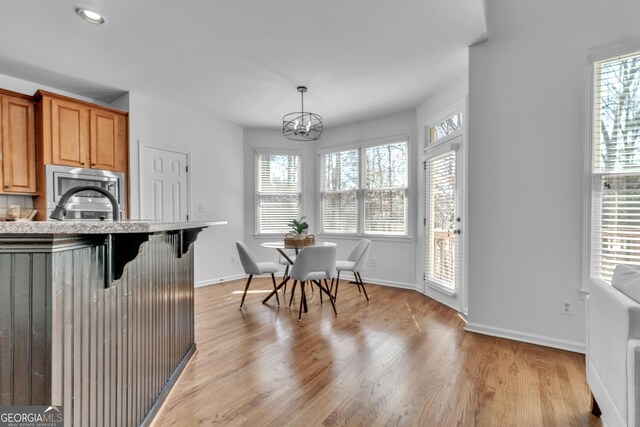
(443, 169)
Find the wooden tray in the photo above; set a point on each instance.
(291, 241)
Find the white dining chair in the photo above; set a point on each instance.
(355, 262)
(252, 267)
(314, 264)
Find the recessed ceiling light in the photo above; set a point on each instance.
(90, 16)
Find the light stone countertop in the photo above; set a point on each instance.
(100, 227)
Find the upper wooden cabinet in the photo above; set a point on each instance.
(69, 141)
(76, 133)
(18, 145)
(108, 140)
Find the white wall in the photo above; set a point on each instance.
(29, 88)
(526, 149)
(216, 175)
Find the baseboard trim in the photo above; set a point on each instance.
(218, 280)
(347, 277)
(573, 346)
(389, 283)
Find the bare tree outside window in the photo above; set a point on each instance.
(445, 127)
(374, 203)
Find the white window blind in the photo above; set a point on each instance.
(615, 230)
(340, 192)
(278, 191)
(364, 190)
(441, 198)
(385, 195)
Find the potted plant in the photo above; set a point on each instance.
(299, 227)
(298, 238)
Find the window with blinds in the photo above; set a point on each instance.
(340, 183)
(441, 199)
(364, 190)
(278, 197)
(385, 193)
(615, 231)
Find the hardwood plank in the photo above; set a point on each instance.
(401, 360)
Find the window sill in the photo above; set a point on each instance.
(375, 237)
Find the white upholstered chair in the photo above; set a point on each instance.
(314, 264)
(613, 347)
(252, 267)
(355, 262)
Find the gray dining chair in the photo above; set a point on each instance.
(355, 262)
(315, 265)
(252, 267)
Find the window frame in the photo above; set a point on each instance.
(430, 144)
(360, 191)
(593, 55)
(256, 195)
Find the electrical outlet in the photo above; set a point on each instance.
(234, 259)
(567, 307)
(374, 262)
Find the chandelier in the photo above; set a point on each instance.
(301, 126)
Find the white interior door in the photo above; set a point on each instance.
(443, 223)
(164, 184)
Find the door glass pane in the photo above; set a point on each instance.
(445, 127)
(441, 199)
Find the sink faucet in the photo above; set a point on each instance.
(60, 211)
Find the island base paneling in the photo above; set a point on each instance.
(106, 352)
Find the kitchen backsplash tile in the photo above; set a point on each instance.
(22, 201)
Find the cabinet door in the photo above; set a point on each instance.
(105, 137)
(69, 134)
(18, 146)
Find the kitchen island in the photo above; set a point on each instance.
(96, 317)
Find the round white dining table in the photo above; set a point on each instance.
(281, 247)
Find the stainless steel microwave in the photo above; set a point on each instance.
(89, 205)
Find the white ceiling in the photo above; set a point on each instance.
(241, 60)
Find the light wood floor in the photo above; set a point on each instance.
(402, 360)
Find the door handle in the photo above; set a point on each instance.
(457, 231)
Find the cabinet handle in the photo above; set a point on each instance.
(93, 164)
(6, 186)
(82, 163)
